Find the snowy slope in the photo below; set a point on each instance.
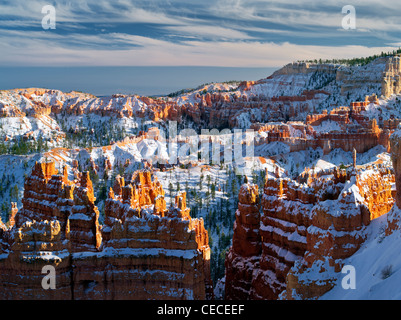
(377, 266)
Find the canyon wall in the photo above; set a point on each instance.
(143, 251)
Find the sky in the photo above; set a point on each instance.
(224, 33)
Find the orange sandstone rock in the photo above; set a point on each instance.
(144, 250)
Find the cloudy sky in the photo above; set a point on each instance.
(229, 33)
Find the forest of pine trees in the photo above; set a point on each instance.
(354, 61)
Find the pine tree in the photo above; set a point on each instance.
(170, 189)
(213, 190)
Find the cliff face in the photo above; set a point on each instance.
(144, 250)
(304, 67)
(306, 228)
(391, 77)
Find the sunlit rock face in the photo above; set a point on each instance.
(143, 251)
(391, 77)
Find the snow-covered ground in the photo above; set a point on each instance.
(43, 126)
(377, 266)
(327, 126)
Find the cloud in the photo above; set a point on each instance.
(178, 32)
(371, 14)
(209, 31)
(145, 51)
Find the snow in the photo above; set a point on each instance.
(322, 165)
(282, 85)
(271, 149)
(370, 263)
(49, 256)
(291, 236)
(80, 216)
(135, 252)
(327, 126)
(42, 126)
(219, 288)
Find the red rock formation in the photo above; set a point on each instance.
(172, 246)
(361, 137)
(213, 108)
(36, 245)
(41, 191)
(14, 211)
(244, 253)
(285, 218)
(376, 189)
(84, 228)
(305, 226)
(337, 231)
(144, 250)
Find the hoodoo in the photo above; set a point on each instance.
(306, 228)
(143, 251)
